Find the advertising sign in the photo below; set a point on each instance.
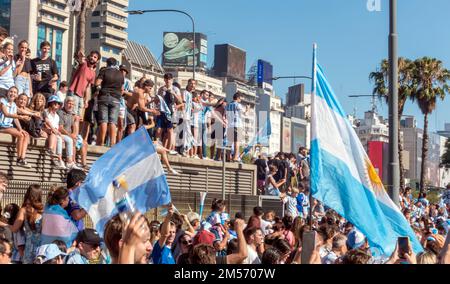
(298, 136)
(265, 73)
(178, 49)
(286, 145)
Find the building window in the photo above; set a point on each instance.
(95, 35)
(95, 24)
(110, 49)
(5, 14)
(114, 15)
(96, 13)
(58, 49)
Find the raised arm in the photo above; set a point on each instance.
(241, 255)
(132, 237)
(165, 229)
(7, 67)
(18, 223)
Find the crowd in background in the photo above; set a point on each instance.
(54, 233)
(102, 106)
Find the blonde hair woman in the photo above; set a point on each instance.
(426, 257)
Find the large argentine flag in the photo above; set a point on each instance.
(343, 177)
(134, 158)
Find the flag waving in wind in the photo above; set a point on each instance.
(135, 159)
(343, 177)
(261, 137)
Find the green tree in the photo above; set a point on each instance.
(405, 90)
(431, 79)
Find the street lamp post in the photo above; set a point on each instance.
(140, 12)
(394, 169)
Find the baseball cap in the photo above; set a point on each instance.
(89, 236)
(54, 98)
(124, 68)
(355, 239)
(204, 237)
(49, 252)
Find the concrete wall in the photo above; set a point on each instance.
(196, 175)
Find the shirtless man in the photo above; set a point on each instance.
(138, 102)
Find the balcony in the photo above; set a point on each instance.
(52, 10)
(51, 22)
(114, 21)
(113, 42)
(121, 2)
(64, 2)
(277, 108)
(114, 9)
(114, 32)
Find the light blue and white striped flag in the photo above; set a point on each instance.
(136, 159)
(343, 177)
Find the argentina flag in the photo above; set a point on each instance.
(343, 177)
(134, 159)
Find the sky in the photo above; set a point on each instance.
(351, 40)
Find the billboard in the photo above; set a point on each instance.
(298, 136)
(286, 145)
(378, 154)
(229, 61)
(265, 73)
(178, 49)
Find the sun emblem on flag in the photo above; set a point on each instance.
(375, 181)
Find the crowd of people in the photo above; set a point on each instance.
(54, 233)
(102, 107)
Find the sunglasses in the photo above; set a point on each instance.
(186, 242)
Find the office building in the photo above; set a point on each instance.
(106, 29)
(412, 142)
(372, 128)
(269, 105)
(38, 21)
(446, 131)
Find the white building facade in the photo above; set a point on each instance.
(44, 20)
(270, 105)
(372, 128)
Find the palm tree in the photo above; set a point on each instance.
(86, 6)
(405, 90)
(431, 78)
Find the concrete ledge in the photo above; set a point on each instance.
(100, 150)
(195, 175)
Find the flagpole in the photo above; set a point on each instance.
(313, 93)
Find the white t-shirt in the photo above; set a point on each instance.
(264, 224)
(252, 256)
(53, 119)
(291, 206)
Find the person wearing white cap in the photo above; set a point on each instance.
(49, 254)
(55, 139)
